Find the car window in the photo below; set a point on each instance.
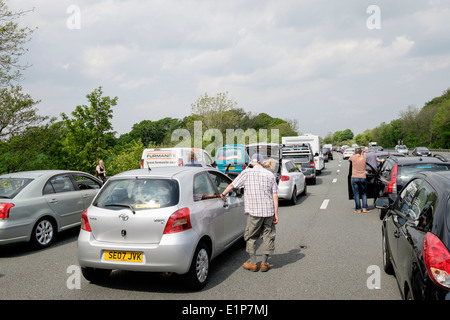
(140, 194)
(208, 160)
(386, 169)
(84, 182)
(10, 187)
(203, 188)
(406, 172)
(58, 184)
(423, 205)
(405, 199)
(221, 182)
(293, 167)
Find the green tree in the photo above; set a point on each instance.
(17, 112)
(86, 132)
(12, 45)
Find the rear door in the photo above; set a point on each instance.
(210, 209)
(87, 186)
(134, 210)
(64, 199)
(234, 217)
(371, 179)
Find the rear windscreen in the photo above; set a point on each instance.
(230, 154)
(139, 194)
(10, 187)
(408, 171)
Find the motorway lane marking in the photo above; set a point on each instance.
(334, 180)
(324, 204)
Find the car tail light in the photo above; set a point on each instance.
(85, 222)
(4, 210)
(311, 164)
(392, 186)
(180, 162)
(437, 260)
(142, 163)
(284, 178)
(179, 221)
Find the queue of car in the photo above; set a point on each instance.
(166, 217)
(412, 194)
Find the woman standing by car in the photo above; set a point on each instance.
(358, 180)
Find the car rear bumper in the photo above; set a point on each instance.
(172, 254)
(14, 233)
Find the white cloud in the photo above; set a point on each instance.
(315, 61)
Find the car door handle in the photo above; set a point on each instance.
(53, 201)
(225, 204)
(397, 234)
(85, 196)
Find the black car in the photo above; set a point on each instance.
(396, 172)
(416, 237)
(328, 152)
(421, 151)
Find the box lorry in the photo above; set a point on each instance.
(316, 145)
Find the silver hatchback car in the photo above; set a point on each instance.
(167, 219)
(292, 182)
(35, 205)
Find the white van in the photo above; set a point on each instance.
(167, 157)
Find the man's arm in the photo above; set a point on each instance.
(275, 206)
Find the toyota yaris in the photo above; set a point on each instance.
(168, 220)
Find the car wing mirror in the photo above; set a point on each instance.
(383, 203)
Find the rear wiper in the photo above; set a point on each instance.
(121, 205)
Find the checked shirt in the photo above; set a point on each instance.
(259, 185)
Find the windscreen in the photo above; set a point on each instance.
(139, 194)
(10, 187)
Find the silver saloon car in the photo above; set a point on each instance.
(166, 220)
(35, 205)
(292, 182)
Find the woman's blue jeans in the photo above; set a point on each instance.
(359, 186)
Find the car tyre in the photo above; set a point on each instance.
(387, 265)
(304, 191)
(95, 275)
(43, 233)
(197, 276)
(294, 196)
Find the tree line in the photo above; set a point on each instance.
(428, 126)
(81, 139)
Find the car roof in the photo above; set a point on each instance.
(162, 172)
(440, 179)
(36, 173)
(417, 159)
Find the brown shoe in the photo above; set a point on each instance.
(265, 267)
(365, 211)
(250, 266)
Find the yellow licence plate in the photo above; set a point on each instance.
(127, 256)
(231, 168)
(299, 165)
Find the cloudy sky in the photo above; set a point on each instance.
(331, 65)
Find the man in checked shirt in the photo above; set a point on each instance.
(261, 205)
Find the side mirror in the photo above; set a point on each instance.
(382, 203)
(239, 192)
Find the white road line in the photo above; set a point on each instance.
(324, 204)
(334, 180)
